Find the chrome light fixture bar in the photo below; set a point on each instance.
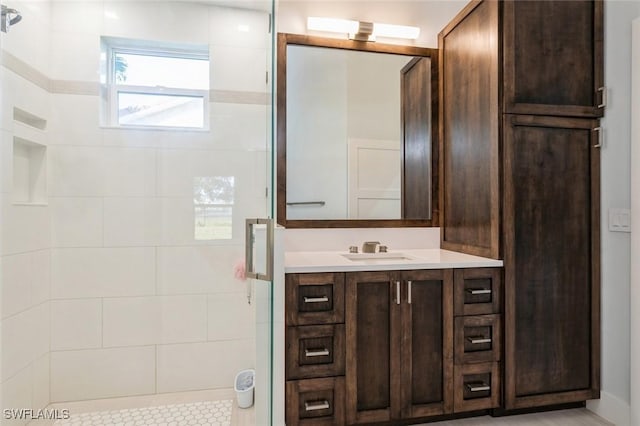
(360, 30)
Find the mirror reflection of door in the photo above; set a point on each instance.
(374, 179)
(416, 139)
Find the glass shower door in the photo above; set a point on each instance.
(124, 191)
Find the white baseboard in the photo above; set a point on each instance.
(611, 408)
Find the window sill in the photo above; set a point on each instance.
(158, 128)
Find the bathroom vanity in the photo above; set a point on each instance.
(407, 335)
(517, 179)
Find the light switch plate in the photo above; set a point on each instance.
(620, 220)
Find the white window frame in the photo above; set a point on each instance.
(114, 88)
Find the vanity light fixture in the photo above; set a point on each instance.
(362, 31)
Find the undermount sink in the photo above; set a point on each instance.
(377, 257)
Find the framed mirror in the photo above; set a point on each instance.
(357, 134)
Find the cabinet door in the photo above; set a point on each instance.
(470, 131)
(552, 260)
(427, 342)
(553, 57)
(372, 365)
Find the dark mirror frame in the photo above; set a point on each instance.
(285, 40)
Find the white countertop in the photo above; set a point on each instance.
(333, 261)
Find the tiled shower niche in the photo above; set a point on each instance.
(29, 159)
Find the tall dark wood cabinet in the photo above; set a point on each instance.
(521, 94)
(399, 358)
(470, 117)
(552, 251)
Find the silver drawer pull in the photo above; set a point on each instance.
(478, 387)
(479, 291)
(477, 340)
(604, 97)
(315, 406)
(317, 352)
(322, 299)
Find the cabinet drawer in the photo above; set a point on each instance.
(476, 387)
(477, 291)
(315, 402)
(314, 298)
(315, 351)
(477, 339)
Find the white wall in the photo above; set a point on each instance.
(635, 234)
(24, 229)
(616, 261)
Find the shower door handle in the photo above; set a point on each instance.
(249, 245)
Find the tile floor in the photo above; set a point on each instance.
(218, 401)
(210, 407)
(209, 413)
(574, 417)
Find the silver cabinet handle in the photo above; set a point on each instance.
(322, 299)
(600, 130)
(397, 292)
(309, 353)
(479, 291)
(248, 250)
(477, 340)
(603, 90)
(478, 387)
(315, 406)
(409, 292)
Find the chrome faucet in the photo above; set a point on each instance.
(369, 246)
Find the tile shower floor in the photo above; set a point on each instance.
(212, 408)
(211, 413)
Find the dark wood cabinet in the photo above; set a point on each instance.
(552, 258)
(469, 131)
(403, 353)
(524, 57)
(399, 345)
(520, 100)
(315, 349)
(553, 58)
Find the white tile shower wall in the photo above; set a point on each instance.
(162, 311)
(6, 161)
(76, 222)
(75, 120)
(76, 324)
(132, 221)
(25, 281)
(24, 229)
(102, 272)
(198, 270)
(102, 373)
(157, 20)
(202, 365)
(134, 321)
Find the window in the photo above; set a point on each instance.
(155, 85)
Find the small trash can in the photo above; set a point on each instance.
(243, 385)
